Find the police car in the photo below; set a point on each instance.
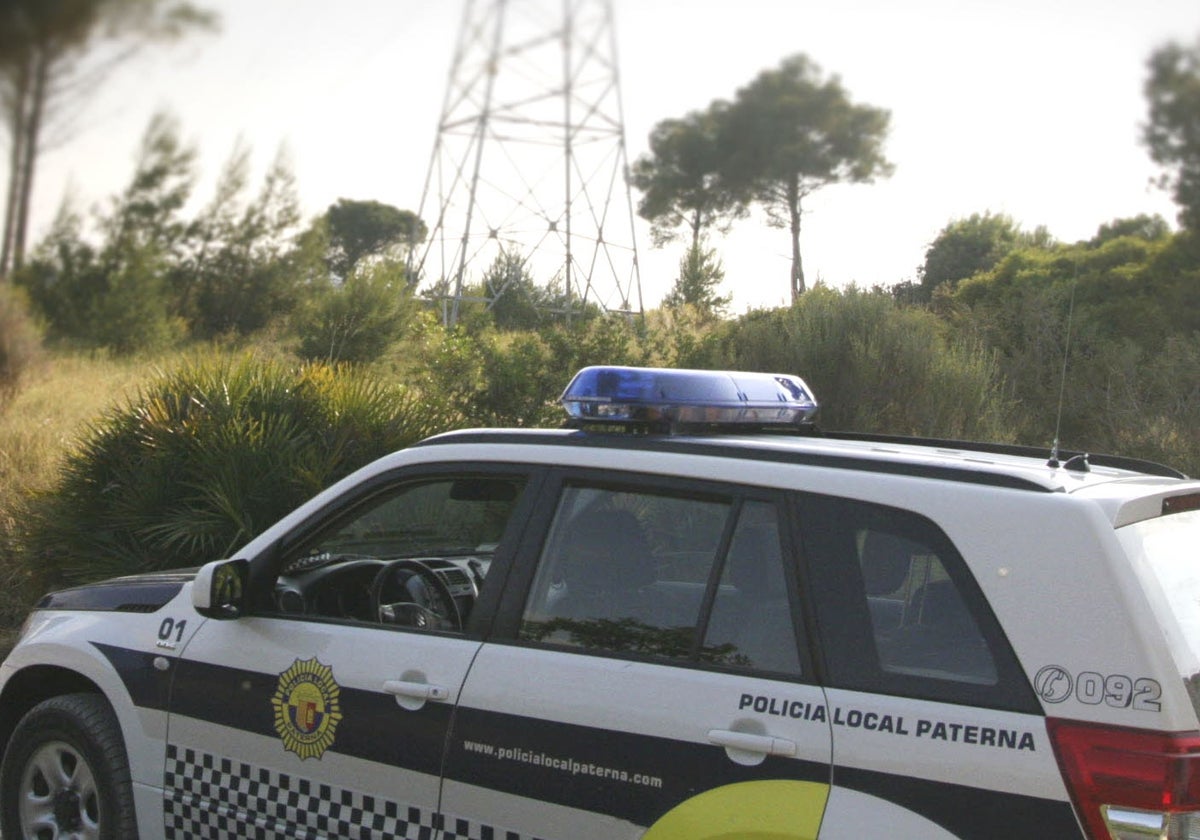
(690, 614)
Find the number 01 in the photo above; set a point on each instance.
(170, 627)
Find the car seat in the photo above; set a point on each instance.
(606, 562)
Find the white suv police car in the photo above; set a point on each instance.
(690, 616)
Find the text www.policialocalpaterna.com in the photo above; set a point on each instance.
(566, 765)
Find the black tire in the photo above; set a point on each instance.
(65, 774)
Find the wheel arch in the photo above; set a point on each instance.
(33, 684)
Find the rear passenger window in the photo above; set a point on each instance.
(665, 576)
(898, 610)
(920, 624)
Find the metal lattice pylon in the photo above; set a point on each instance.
(530, 158)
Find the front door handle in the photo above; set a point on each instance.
(413, 695)
(748, 748)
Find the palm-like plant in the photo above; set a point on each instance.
(208, 455)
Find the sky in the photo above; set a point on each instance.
(1031, 108)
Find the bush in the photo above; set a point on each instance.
(876, 366)
(358, 320)
(205, 457)
(93, 300)
(493, 378)
(20, 341)
(684, 336)
(490, 379)
(1124, 399)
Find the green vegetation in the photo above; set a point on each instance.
(787, 134)
(38, 428)
(20, 342)
(700, 275)
(1130, 305)
(1172, 132)
(203, 457)
(49, 54)
(907, 373)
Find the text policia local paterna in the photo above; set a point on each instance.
(934, 730)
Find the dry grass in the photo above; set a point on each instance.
(37, 428)
(52, 409)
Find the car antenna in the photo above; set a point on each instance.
(1053, 463)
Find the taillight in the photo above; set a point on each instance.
(1130, 783)
(1181, 504)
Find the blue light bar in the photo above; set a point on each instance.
(661, 397)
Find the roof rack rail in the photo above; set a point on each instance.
(1112, 461)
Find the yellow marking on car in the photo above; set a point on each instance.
(767, 810)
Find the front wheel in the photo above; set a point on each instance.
(65, 774)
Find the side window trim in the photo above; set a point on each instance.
(739, 568)
(714, 577)
(505, 627)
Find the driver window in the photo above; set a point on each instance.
(416, 555)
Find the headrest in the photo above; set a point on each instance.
(886, 559)
(607, 549)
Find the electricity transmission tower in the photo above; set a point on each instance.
(529, 169)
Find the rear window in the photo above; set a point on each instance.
(1168, 549)
(899, 611)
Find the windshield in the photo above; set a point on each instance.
(454, 516)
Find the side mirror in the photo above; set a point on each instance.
(219, 589)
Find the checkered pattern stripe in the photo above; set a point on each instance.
(214, 798)
(457, 829)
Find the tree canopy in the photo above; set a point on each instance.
(681, 177)
(966, 247)
(1143, 226)
(148, 271)
(791, 132)
(359, 229)
(788, 133)
(1172, 132)
(49, 62)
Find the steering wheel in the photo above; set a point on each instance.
(393, 602)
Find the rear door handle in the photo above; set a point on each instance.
(413, 695)
(745, 742)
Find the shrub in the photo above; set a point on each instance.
(1124, 399)
(684, 336)
(876, 366)
(358, 320)
(20, 341)
(206, 456)
(493, 378)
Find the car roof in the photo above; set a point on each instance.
(995, 464)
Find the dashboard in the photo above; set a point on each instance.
(349, 586)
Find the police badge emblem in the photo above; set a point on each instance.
(306, 707)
